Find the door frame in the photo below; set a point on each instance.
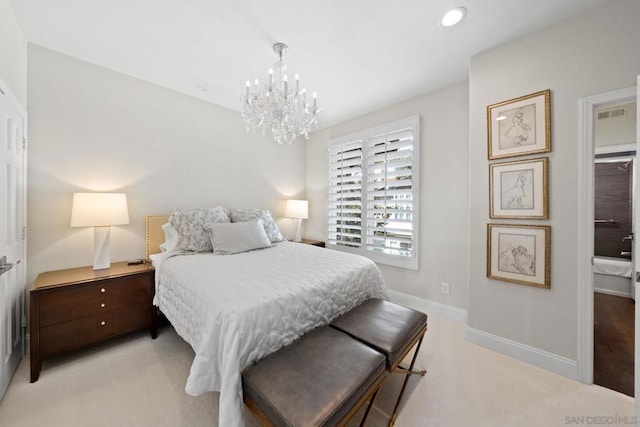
(586, 156)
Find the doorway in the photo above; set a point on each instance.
(589, 107)
(614, 310)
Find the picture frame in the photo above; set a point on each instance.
(519, 254)
(520, 126)
(519, 189)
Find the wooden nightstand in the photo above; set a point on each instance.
(312, 242)
(72, 309)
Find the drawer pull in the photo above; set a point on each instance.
(103, 305)
(103, 323)
(103, 290)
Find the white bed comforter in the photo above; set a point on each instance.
(235, 309)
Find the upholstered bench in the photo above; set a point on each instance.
(390, 329)
(322, 379)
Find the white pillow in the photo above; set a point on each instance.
(232, 238)
(170, 238)
(270, 227)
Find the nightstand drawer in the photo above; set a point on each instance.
(73, 335)
(93, 299)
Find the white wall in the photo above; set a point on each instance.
(591, 54)
(13, 57)
(443, 191)
(92, 129)
(616, 130)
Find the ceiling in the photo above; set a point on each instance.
(358, 55)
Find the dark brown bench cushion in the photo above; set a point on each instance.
(315, 381)
(385, 326)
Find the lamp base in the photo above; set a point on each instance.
(101, 250)
(296, 234)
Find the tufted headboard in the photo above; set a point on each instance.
(154, 236)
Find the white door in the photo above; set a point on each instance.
(12, 235)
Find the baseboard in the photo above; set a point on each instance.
(534, 356)
(428, 306)
(614, 293)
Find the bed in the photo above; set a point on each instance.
(235, 309)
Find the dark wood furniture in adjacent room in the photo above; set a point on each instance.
(75, 308)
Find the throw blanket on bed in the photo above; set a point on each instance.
(235, 309)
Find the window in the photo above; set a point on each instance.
(373, 193)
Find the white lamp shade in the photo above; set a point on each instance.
(297, 209)
(99, 209)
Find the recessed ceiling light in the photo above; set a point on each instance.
(453, 16)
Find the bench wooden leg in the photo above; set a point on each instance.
(407, 373)
(402, 370)
(371, 394)
(369, 406)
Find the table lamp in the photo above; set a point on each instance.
(298, 210)
(100, 211)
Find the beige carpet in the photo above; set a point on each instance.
(137, 381)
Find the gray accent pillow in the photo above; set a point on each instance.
(189, 224)
(270, 227)
(233, 238)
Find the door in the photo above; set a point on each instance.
(12, 235)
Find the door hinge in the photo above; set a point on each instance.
(24, 321)
(24, 143)
(24, 232)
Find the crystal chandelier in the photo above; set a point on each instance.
(279, 106)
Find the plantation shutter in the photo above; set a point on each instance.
(345, 193)
(390, 191)
(373, 193)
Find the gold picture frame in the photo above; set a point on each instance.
(519, 254)
(519, 189)
(520, 126)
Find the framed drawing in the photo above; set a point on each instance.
(519, 254)
(519, 190)
(520, 126)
